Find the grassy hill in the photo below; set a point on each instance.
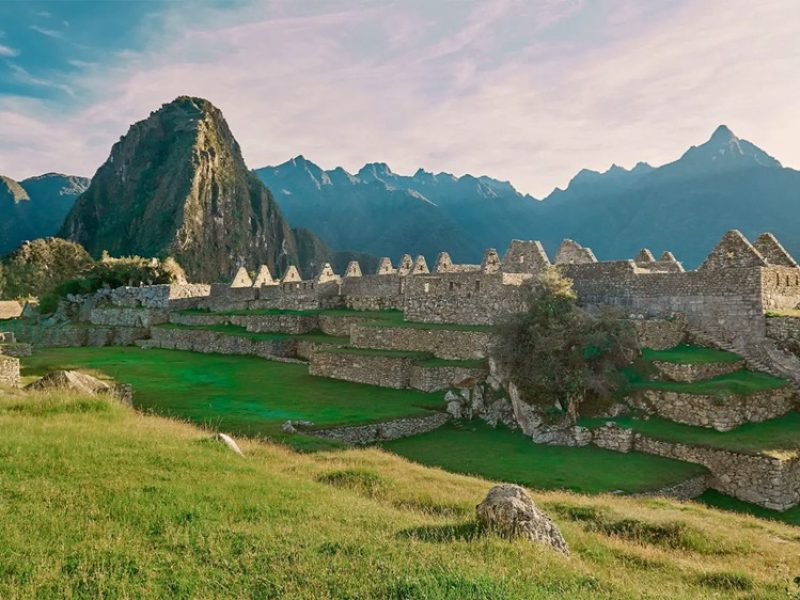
(97, 500)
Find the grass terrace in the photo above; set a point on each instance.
(422, 359)
(778, 437)
(244, 395)
(718, 500)
(738, 383)
(686, 354)
(500, 454)
(788, 312)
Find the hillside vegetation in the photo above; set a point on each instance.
(101, 501)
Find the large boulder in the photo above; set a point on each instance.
(509, 511)
(71, 380)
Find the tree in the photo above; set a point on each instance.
(38, 266)
(557, 353)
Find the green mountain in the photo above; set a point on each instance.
(176, 184)
(35, 207)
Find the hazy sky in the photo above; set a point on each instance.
(529, 91)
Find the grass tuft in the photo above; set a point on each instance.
(366, 482)
(726, 581)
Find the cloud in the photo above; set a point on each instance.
(525, 91)
(51, 33)
(21, 75)
(8, 52)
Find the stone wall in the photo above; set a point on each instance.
(720, 413)
(159, 296)
(726, 302)
(374, 292)
(279, 323)
(695, 371)
(214, 342)
(685, 490)
(464, 298)
(16, 349)
(784, 329)
(432, 379)
(769, 482)
(380, 370)
(65, 335)
(127, 316)
(660, 334)
(780, 287)
(449, 344)
(9, 370)
(385, 431)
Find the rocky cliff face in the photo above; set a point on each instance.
(176, 184)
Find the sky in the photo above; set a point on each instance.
(529, 91)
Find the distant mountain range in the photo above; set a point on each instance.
(165, 193)
(683, 206)
(35, 207)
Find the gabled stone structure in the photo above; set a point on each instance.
(242, 279)
(292, 275)
(773, 251)
(406, 265)
(326, 274)
(353, 269)
(525, 257)
(444, 264)
(385, 267)
(572, 253)
(645, 257)
(263, 277)
(733, 251)
(491, 261)
(420, 267)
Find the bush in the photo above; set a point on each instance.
(559, 354)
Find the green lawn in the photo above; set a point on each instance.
(501, 454)
(777, 437)
(686, 354)
(238, 394)
(738, 383)
(718, 500)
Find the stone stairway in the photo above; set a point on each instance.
(760, 355)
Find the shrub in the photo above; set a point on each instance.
(559, 354)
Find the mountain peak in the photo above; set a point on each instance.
(722, 134)
(12, 189)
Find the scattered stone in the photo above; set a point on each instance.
(509, 511)
(229, 442)
(288, 427)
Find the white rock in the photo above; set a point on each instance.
(229, 442)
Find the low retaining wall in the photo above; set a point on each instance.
(385, 431)
(214, 342)
(720, 413)
(16, 349)
(383, 371)
(783, 329)
(449, 344)
(81, 335)
(685, 490)
(695, 372)
(433, 379)
(764, 480)
(9, 370)
(280, 323)
(127, 316)
(198, 319)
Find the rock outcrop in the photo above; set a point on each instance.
(509, 511)
(71, 380)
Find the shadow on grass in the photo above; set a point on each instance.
(443, 534)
